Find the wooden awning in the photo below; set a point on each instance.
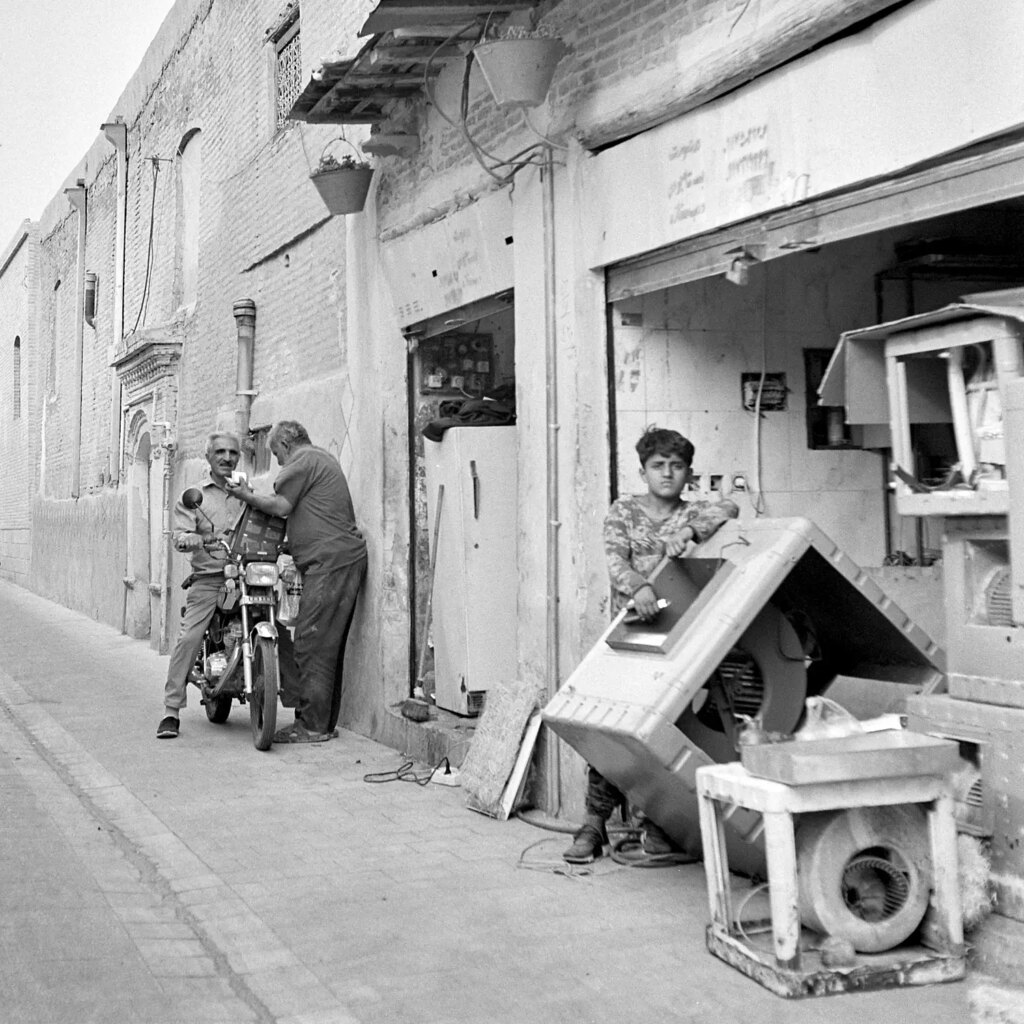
(409, 39)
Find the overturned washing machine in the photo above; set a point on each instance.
(758, 618)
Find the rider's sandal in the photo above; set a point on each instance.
(298, 733)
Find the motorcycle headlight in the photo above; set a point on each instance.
(261, 574)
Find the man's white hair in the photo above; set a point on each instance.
(211, 440)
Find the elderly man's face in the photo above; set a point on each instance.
(280, 450)
(223, 458)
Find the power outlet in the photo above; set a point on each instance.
(450, 777)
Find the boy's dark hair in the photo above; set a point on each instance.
(655, 441)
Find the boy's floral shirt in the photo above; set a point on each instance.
(634, 542)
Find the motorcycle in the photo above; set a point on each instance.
(239, 656)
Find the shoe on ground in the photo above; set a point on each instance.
(167, 729)
(656, 841)
(588, 844)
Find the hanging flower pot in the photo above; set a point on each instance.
(342, 183)
(518, 71)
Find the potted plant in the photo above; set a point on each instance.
(518, 66)
(342, 182)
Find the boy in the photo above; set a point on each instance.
(639, 530)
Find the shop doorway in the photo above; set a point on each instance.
(734, 360)
(461, 374)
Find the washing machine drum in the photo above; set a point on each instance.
(864, 874)
(764, 676)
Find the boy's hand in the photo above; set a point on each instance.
(677, 545)
(645, 603)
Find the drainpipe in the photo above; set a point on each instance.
(245, 320)
(77, 198)
(166, 451)
(553, 773)
(117, 135)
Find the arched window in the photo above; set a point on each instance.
(189, 166)
(16, 376)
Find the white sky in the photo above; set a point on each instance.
(63, 64)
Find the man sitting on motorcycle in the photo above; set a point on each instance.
(199, 533)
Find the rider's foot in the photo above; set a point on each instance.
(168, 728)
(298, 733)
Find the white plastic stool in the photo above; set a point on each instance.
(719, 786)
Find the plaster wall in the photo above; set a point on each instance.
(78, 552)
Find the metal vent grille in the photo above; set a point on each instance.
(998, 604)
(475, 700)
(969, 803)
(742, 688)
(874, 888)
(288, 75)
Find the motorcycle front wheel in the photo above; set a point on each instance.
(266, 681)
(218, 708)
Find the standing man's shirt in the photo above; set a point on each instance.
(218, 506)
(634, 540)
(322, 531)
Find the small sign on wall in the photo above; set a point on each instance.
(770, 386)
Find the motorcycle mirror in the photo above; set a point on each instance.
(192, 498)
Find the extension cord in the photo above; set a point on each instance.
(447, 778)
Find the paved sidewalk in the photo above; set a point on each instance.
(199, 880)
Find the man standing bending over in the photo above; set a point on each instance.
(312, 493)
(199, 534)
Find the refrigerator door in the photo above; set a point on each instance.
(474, 603)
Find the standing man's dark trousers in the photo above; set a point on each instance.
(312, 665)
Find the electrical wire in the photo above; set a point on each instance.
(536, 131)
(404, 773)
(427, 86)
(737, 917)
(629, 850)
(758, 503)
(144, 301)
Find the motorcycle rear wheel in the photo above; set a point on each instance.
(266, 681)
(218, 709)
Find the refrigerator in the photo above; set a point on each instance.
(474, 587)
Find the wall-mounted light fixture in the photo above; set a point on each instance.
(743, 258)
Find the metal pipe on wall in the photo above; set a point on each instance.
(77, 198)
(117, 135)
(166, 450)
(244, 311)
(553, 772)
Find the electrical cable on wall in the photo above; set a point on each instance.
(758, 502)
(516, 162)
(144, 301)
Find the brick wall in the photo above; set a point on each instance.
(18, 414)
(264, 234)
